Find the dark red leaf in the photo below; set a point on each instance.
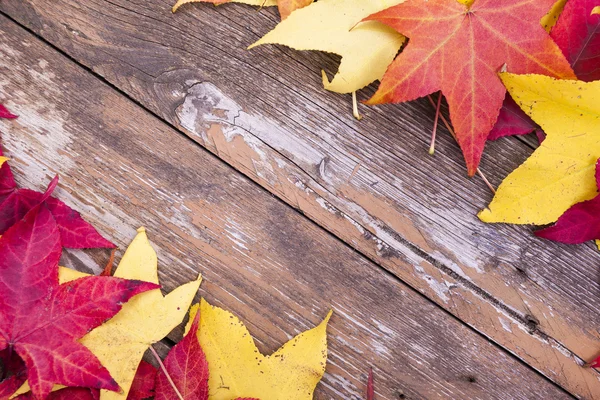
(512, 121)
(577, 33)
(41, 320)
(14, 373)
(71, 393)
(579, 223)
(143, 383)
(187, 366)
(4, 113)
(15, 203)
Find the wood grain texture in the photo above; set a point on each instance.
(276, 270)
(370, 183)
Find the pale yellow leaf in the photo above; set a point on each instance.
(596, 10)
(3, 160)
(238, 369)
(561, 171)
(258, 3)
(367, 49)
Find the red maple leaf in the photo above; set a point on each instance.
(41, 320)
(459, 50)
(14, 373)
(4, 113)
(579, 223)
(143, 383)
(577, 34)
(513, 121)
(71, 393)
(187, 369)
(15, 203)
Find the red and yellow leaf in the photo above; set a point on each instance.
(459, 50)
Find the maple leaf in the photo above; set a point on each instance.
(143, 383)
(75, 232)
(47, 340)
(561, 171)
(187, 370)
(577, 33)
(331, 25)
(14, 373)
(143, 321)
(4, 113)
(71, 393)
(238, 369)
(459, 49)
(513, 121)
(579, 223)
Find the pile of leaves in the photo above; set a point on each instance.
(545, 52)
(68, 335)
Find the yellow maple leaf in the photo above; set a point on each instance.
(3, 160)
(147, 318)
(561, 171)
(238, 369)
(331, 25)
(258, 3)
(121, 342)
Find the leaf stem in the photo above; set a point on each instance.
(164, 369)
(447, 124)
(435, 125)
(355, 107)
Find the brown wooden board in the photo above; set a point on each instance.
(370, 183)
(124, 168)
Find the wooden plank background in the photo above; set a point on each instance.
(407, 219)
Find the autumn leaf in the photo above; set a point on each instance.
(75, 232)
(561, 171)
(513, 121)
(48, 342)
(71, 393)
(579, 223)
(331, 25)
(459, 50)
(187, 369)
(143, 383)
(143, 321)
(14, 373)
(238, 369)
(577, 33)
(4, 113)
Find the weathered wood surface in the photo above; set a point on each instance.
(371, 183)
(279, 272)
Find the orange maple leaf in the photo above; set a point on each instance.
(459, 50)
